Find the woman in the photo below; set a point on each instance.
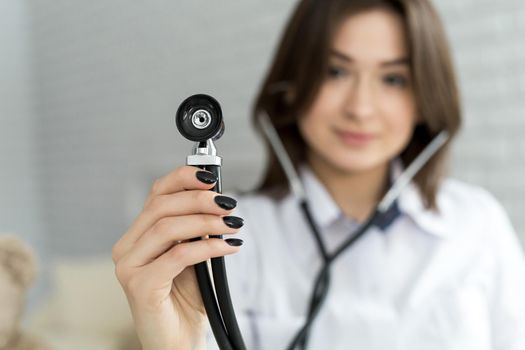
(356, 91)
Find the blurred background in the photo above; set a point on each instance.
(89, 90)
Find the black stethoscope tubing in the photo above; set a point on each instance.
(199, 119)
(322, 281)
(217, 302)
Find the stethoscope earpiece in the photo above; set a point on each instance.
(378, 218)
(199, 118)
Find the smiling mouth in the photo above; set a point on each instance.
(355, 138)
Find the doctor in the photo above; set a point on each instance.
(356, 91)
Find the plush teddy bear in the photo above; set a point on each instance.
(17, 272)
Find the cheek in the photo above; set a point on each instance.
(316, 122)
(400, 120)
(311, 125)
(308, 129)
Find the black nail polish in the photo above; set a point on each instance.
(236, 242)
(206, 177)
(233, 221)
(225, 202)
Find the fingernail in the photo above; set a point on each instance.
(206, 177)
(233, 221)
(235, 242)
(225, 202)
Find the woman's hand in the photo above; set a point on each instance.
(154, 257)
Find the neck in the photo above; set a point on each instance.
(356, 193)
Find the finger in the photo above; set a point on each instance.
(181, 203)
(183, 178)
(159, 274)
(172, 230)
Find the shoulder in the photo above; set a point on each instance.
(468, 200)
(464, 211)
(267, 218)
(487, 231)
(256, 199)
(262, 205)
(473, 209)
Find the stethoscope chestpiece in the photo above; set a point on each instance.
(199, 118)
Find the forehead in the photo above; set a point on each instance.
(372, 36)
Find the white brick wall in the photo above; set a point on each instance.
(488, 42)
(19, 191)
(110, 74)
(17, 187)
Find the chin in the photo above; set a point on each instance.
(357, 163)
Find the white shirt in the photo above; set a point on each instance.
(453, 280)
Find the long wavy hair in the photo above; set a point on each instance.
(300, 64)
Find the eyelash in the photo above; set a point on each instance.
(336, 72)
(399, 80)
(395, 80)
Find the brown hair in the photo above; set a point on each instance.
(301, 61)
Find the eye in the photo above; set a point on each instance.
(336, 72)
(395, 80)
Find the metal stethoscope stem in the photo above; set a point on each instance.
(199, 118)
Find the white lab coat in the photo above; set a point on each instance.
(448, 280)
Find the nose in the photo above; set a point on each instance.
(360, 102)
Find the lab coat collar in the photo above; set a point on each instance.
(324, 209)
(410, 203)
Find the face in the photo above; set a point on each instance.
(365, 111)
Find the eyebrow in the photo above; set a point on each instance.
(394, 62)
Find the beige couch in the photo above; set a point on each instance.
(86, 310)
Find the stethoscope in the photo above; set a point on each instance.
(382, 212)
(199, 119)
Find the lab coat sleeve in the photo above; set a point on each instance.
(508, 289)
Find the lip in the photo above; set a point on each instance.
(354, 138)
